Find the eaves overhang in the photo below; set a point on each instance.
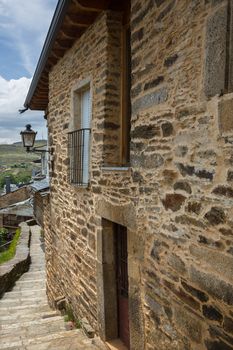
(70, 21)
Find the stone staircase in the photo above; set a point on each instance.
(26, 320)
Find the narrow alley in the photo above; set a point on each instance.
(26, 320)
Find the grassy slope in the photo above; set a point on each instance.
(10, 252)
(16, 154)
(15, 161)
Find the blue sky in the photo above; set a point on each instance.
(23, 28)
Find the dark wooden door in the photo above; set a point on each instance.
(122, 285)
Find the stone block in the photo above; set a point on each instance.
(183, 186)
(217, 332)
(215, 52)
(145, 132)
(169, 61)
(166, 11)
(215, 216)
(188, 323)
(212, 313)
(153, 83)
(212, 284)
(194, 207)
(195, 292)
(228, 324)
(136, 318)
(176, 263)
(217, 345)
(173, 201)
(225, 116)
(188, 220)
(150, 100)
(167, 129)
(225, 191)
(221, 263)
(147, 160)
(124, 215)
(230, 174)
(89, 331)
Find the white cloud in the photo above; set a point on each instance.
(23, 28)
(12, 96)
(26, 24)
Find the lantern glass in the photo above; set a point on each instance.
(28, 136)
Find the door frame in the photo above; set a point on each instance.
(124, 215)
(107, 287)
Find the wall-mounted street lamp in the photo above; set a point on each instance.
(28, 138)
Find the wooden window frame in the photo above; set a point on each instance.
(125, 91)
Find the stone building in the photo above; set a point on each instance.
(138, 227)
(40, 193)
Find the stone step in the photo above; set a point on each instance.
(22, 301)
(30, 285)
(32, 276)
(39, 279)
(37, 269)
(26, 293)
(28, 330)
(62, 341)
(19, 317)
(26, 309)
(33, 326)
(12, 342)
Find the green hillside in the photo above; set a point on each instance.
(17, 163)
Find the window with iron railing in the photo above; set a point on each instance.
(79, 139)
(79, 149)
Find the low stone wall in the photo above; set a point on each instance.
(17, 196)
(14, 268)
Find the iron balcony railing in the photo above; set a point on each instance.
(79, 155)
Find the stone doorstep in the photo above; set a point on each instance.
(116, 344)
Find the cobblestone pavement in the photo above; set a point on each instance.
(26, 320)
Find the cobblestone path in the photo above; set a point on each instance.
(26, 320)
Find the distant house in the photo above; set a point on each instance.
(14, 214)
(138, 226)
(43, 160)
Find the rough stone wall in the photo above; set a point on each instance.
(182, 164)
(176, 199)
(71, 238)
(39, 204)
(14, 197)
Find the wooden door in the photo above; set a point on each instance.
(122, 285)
